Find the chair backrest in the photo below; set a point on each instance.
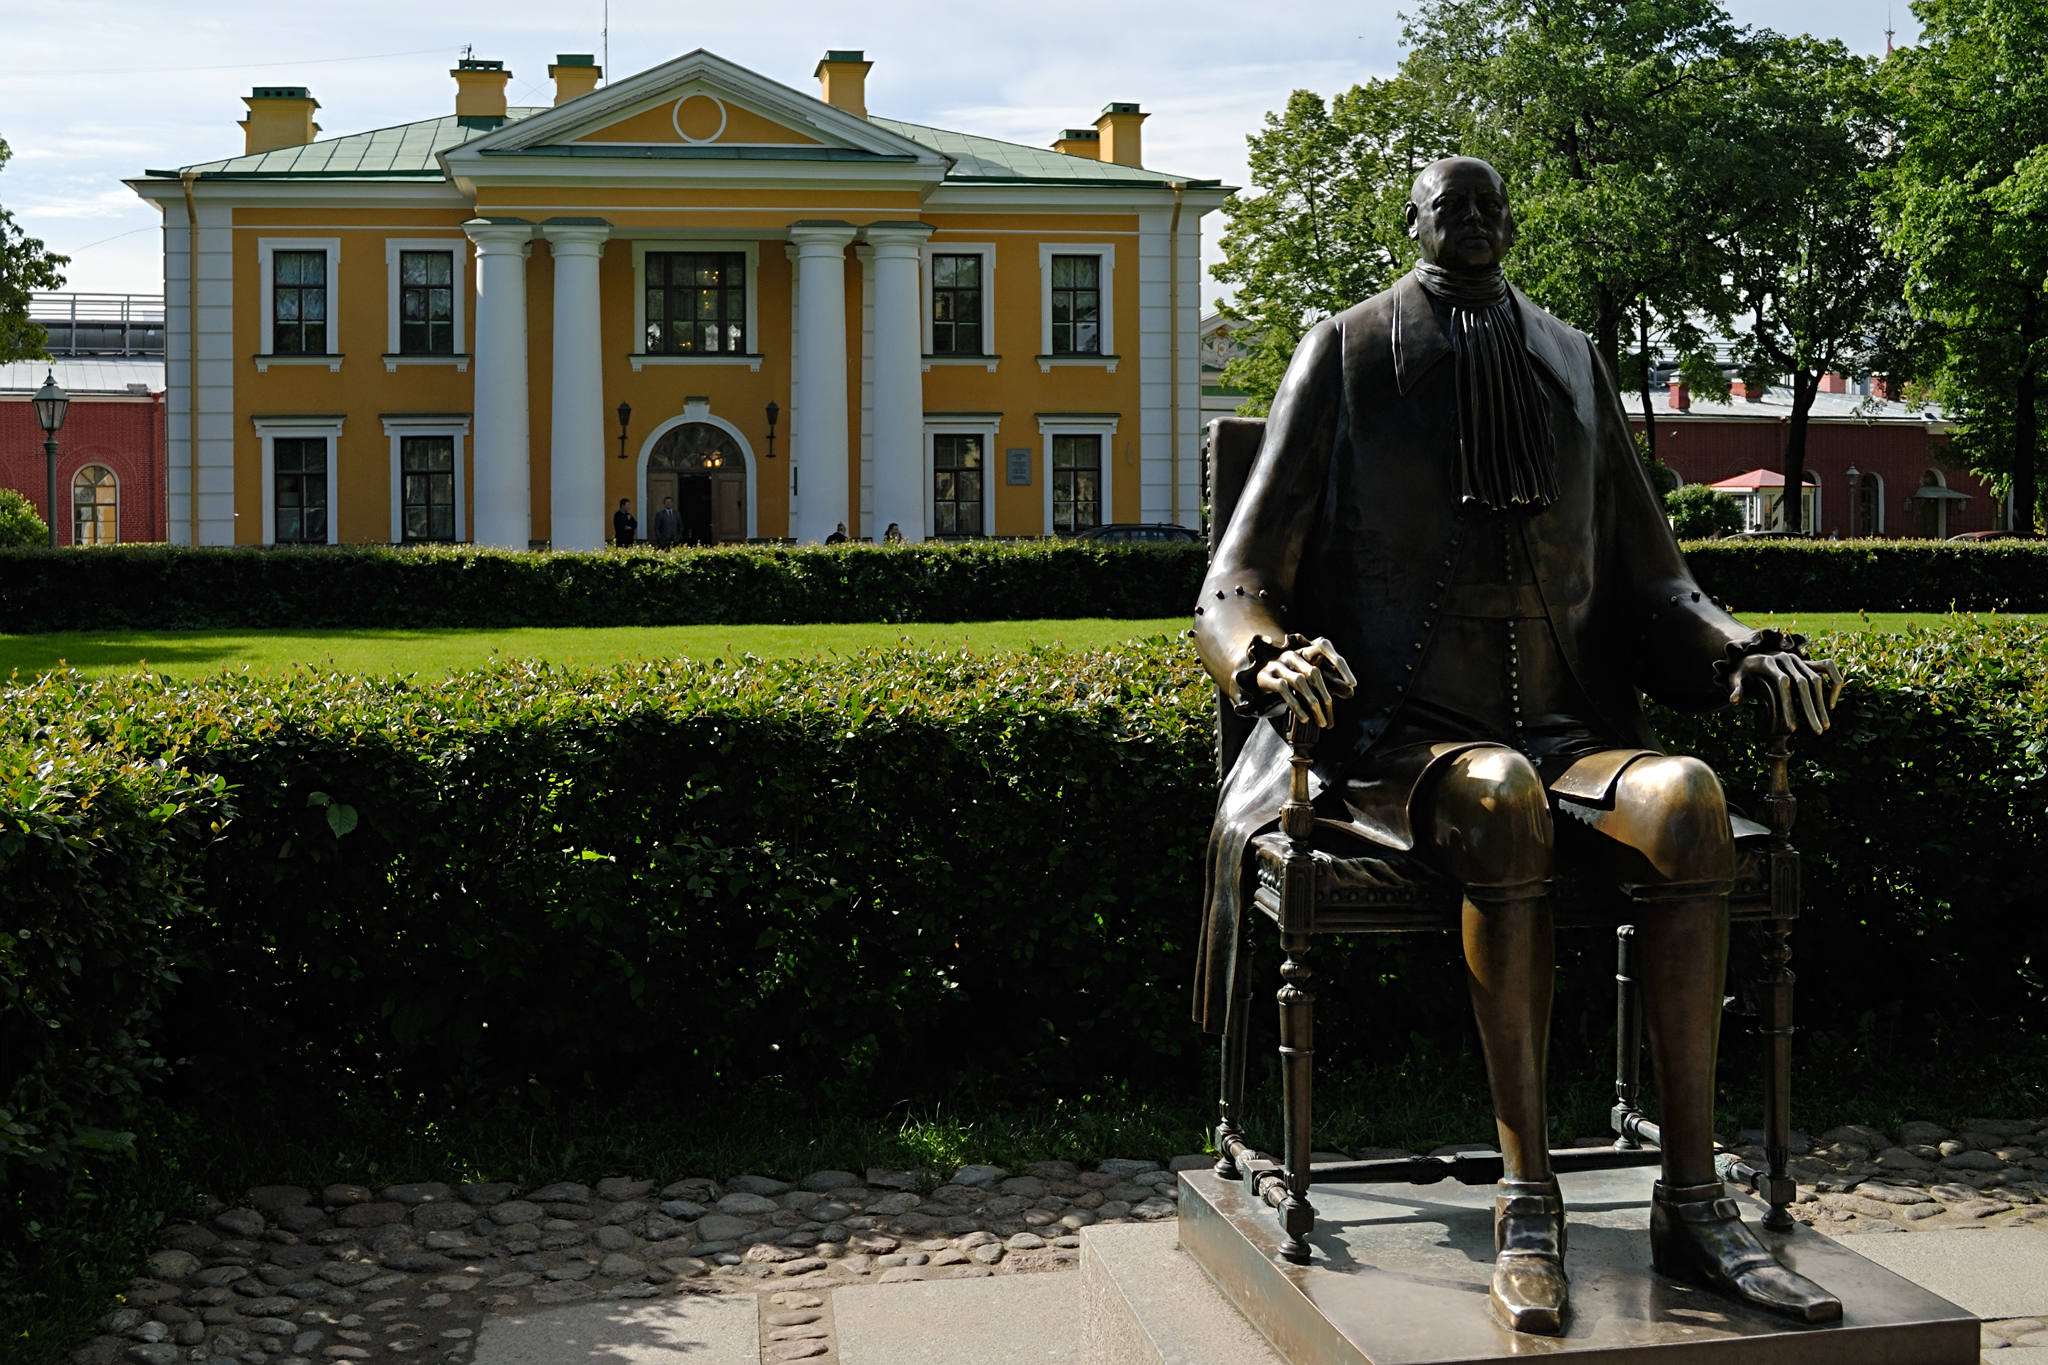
(1230, 446)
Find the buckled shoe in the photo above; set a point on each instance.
(1528, 1292)
(1697, 1235)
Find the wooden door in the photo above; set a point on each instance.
(729, 506)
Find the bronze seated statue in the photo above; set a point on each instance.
(1447, 573)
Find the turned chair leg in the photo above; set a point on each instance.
(1297, 1053)
(1628, 1039)
(1230, 1105)
(1779, 1188)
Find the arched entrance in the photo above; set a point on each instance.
(704, 468)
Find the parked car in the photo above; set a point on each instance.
(1127, 532)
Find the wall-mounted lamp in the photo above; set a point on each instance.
(625, 416)
(774, 411)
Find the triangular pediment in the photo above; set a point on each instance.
(699, 100)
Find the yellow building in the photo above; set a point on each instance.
(433, 331)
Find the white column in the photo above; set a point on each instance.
(502, 457)
(578, 518)
(900, 494)
(818, 444)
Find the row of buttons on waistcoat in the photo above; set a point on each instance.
(1514, 679)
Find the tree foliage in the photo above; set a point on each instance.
(26, 265)
(1698, 512)
(19, 523)
(1968, 213)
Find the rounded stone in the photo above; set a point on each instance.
(516, 1211)
(747, 1205)
(825, 1182)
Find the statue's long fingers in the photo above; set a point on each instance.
(1811, 702)
(1326, 707)
(1834, 676)
(1300, 691)
(1781, 685)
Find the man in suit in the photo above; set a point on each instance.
(668, 525)
(625, 526)
(1447, 554)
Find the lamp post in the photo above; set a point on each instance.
(774, 411)
(51, 403)
(625, 416)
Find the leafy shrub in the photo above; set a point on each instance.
(159, 587)
(1698, 512)
(19, 523)
(895, 875)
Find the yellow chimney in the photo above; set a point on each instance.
(843, 80)
(574, 73)
(1080, 142)
(1118, 127)
(279, 116)
(480, 92)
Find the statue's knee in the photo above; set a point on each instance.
(1491, 819)
(1679, 818)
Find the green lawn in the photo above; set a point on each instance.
(436, 653)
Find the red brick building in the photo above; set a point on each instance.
(109, 357)
(1875, 468)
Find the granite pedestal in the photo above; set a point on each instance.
(1400, 1274)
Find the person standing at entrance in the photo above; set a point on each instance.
(625, 526)
(838, 537)
(668, 526)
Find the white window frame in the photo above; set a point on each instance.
(1078, 424)
(1048, 250)
(269, 429)
(987, 251)
(266, 250)
(982, 424)
(397, 426)
(71, 501)
(1877, 503)
(638, 358)
(459, 247)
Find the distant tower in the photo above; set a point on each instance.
(1887, 30)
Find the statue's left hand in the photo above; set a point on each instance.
(1801, 691)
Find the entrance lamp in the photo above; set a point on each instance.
(774, 411)
(625, 416)
(51, 404)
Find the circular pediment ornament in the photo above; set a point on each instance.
(697, 117)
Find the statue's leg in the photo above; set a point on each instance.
(1490, 820)
(1671, 813)
(1230, 1120)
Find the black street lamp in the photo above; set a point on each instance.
(51, 403)
(774, 411)
(625, 416)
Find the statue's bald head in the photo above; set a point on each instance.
(1458, 214)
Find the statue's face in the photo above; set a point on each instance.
(1458, 213)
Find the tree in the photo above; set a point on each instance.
(1325, 231)
(1967, 207)
(19, 524)
(1698, 512)
(1607, 118)
(1818, 291)
(26, 265)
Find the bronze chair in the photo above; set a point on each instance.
(1306, 887)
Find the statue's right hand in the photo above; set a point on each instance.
(1308, 679)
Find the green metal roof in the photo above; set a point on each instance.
(985, 160)
(409, 151)
(404, 152)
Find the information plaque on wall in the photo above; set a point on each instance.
(1019, 459)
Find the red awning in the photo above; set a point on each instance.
(1750, 482)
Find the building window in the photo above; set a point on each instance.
(427, 487)
(957, 465)
(426, 303)
(299, 477)
(696, 302)
(956, 305)
(95, 507)
(1076, 483)
(298, 303)
(1077, 305)
(1870, 514)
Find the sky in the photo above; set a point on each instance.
(99, 90)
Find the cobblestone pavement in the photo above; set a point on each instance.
(294, 1276)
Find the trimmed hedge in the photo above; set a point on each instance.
(158, 587)
(883, 877)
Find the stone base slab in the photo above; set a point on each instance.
(1399, 1277)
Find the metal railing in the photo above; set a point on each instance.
(81, 324)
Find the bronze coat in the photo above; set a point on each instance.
(1348, 527)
